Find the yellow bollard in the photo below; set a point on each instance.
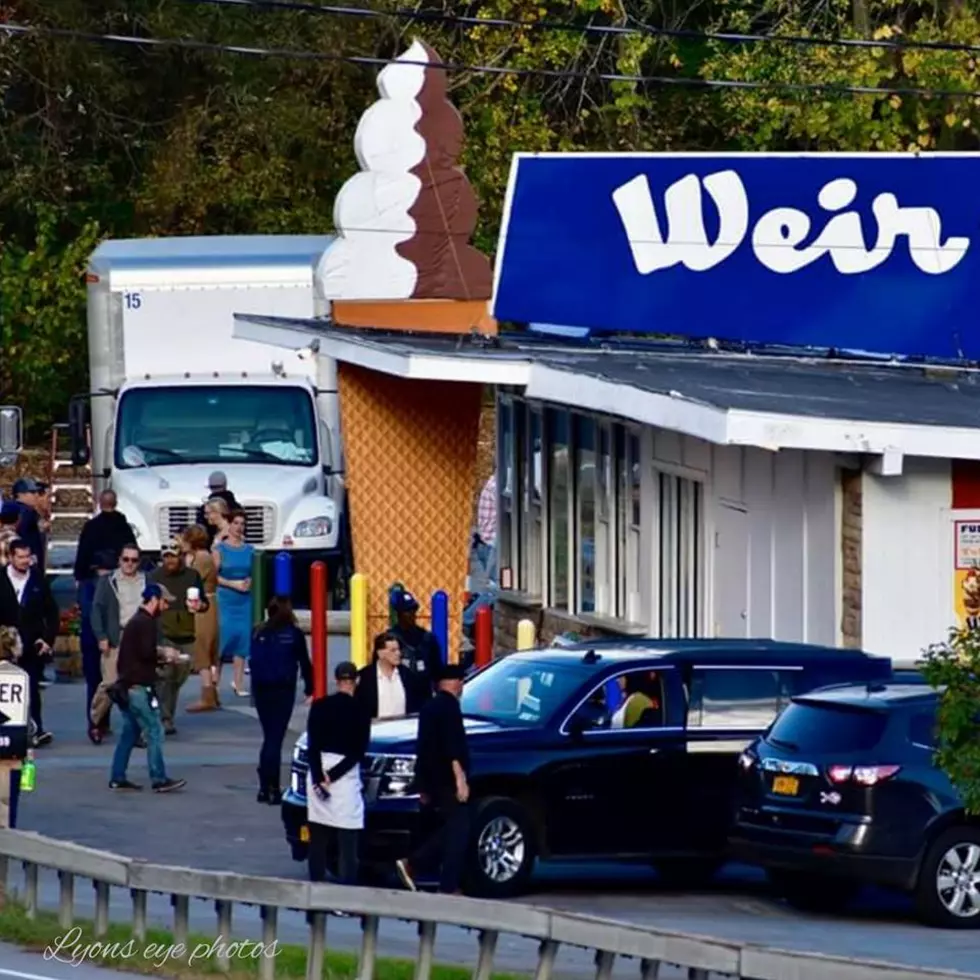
(525, 635)
(358, 619)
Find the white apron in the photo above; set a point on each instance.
(345, 807)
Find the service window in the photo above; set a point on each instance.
(738, 697)
(632, 699)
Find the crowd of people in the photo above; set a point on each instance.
(145, 630)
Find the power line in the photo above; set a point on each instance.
(615, 30)
(190, 44)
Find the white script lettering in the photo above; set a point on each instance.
(778, 236)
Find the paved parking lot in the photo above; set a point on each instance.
(217, 824)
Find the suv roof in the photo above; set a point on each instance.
(875, 697)
(713, 648)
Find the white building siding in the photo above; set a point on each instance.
(907, 559)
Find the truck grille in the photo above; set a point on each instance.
(260, 522)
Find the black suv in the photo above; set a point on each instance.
(842, 791)
(559, 772)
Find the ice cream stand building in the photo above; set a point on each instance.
(759, 415)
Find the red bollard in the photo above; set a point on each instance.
(483, 636)
(318, 627)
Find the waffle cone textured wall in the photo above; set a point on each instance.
(410, 458)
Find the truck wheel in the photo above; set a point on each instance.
(502, 849)
(948, 891)
(820, 894)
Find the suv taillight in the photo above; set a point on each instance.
(862, 775)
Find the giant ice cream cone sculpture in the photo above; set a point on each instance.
(404, 222)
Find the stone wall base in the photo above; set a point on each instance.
(548, 624)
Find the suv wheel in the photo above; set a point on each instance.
(502, 849)
(948, 892)
(822, 894)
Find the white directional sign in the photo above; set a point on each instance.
(15, 701)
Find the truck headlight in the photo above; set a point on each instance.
(397, 777)
(315, 527)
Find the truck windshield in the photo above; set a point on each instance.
(217, 424)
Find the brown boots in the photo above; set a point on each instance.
(208, 702)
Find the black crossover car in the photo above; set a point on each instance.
(562, 768)
(843, 791)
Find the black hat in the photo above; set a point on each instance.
(345, 671)
(450, 672)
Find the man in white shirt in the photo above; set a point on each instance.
(486, 528)
(386, 687)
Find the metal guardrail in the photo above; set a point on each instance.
(610, 941)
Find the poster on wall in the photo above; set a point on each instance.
(967, 574)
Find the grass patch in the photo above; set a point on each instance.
(158, 954)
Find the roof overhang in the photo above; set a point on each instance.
(673, 411)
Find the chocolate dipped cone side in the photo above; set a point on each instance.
(445, 210)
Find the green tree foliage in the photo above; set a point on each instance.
(156, 141)
(954, 666)
(42, 317)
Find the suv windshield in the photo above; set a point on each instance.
(217, 424)
(520, 691)
(826, 728)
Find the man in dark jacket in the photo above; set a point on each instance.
(420, 648)
(337, 733)
(27, 494)
(101, 543)
(139, 655)
(27, 604)
(386, 688)
(442, 766)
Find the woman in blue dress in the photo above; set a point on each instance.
(233, 560)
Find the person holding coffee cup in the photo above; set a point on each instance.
(178, 626)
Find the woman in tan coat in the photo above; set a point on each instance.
(206, 662)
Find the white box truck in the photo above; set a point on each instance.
(174, 396)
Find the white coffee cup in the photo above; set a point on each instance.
(193, 594)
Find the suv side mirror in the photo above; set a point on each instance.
(78, 430)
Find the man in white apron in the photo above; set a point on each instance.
(337, 733)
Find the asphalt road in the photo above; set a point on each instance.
(217, 824)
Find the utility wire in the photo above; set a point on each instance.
(502, 23)
(189, 44)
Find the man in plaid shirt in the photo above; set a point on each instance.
(486, 528)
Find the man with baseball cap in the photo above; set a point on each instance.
(27, 496)
(139, 655)
(420, 648)
(337, 733)
(442, 767)
(217, 487)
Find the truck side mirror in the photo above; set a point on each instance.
(11, 430)
(78, 430)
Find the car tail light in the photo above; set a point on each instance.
(862, 775)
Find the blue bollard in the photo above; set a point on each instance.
(282, 574)
(440, 622)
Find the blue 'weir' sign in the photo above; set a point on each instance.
(873, 252)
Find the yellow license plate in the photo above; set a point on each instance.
(786, 785)
(304, 835)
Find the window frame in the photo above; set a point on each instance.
(528, 517)
(548, 587)
(771, 668)
(646, 668)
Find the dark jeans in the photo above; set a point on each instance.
(91, 657)
(140, 716)
(348, 843)
(274, 706)
(448, 824)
